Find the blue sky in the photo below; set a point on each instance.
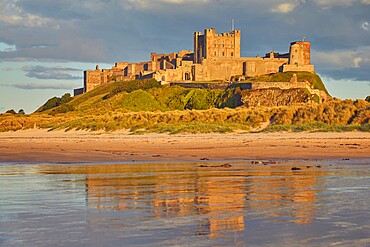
(45, 45)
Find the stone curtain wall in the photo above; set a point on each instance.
(280, 85)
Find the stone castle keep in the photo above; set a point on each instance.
(216, 57)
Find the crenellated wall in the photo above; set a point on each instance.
(211, 45)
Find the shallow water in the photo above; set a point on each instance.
(326, 203)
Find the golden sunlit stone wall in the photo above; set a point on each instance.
(216, 57)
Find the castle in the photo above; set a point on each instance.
(216, 57)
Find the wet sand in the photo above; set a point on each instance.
(185, 204)
(80, 146)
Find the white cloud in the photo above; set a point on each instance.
(93, 6)
(145, 4)
(7, 48)
(343, 59)
(330, 3)
(182, 1)
(283, 8)
(357, 61)
(365, 26)
(11, 14)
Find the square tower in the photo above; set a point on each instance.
(300, 53)
(299, 57)
(216, 46)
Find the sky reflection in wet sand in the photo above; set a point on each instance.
(189, 204)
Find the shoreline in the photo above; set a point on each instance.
(38, 145)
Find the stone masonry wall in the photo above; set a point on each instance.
(216, 57)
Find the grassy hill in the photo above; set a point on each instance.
(149, 95)
(146, 106)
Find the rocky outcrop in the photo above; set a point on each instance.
(276, 97)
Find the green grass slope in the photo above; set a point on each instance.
(146, 106)
(149, 95)
(142, 95)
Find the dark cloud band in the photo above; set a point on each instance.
(47, 73)
(39, 86)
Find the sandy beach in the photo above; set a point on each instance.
(37, 145)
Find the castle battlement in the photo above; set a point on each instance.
(215, 57)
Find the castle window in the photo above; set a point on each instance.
(223, 53)
(215, 53)
(232, 54)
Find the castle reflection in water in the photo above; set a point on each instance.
(221, 199)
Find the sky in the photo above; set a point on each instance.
(46, 45)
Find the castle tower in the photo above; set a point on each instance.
(299, 57)
(198, 47)
(236, 34)
(216, 46)
(209, 43)
(300, 53)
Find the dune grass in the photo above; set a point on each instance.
(146, 106)
(335, 115)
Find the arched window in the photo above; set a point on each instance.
(215, 53)
(232, 54)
